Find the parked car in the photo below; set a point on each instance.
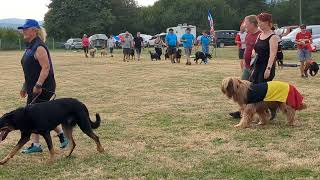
(316, 44)
(288, 41)
(73, 43)
(225, 37)
(283, 31)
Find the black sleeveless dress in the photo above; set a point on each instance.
(262, 48)
(31, 69)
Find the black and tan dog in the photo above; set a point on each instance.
(131, 55)
(312, 67)
(43, 117)
(202, 56)
(154, 56)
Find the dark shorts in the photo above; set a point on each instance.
(172, 50)
(241, 53)
(126, 51)
(138, 50)
(85, 49)
(44, 97)
(111, 50)
(188, 51)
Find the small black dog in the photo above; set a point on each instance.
(177, 56)
(43, 117)
(202, 56)
(279, 56)
(132, 54)
(166, 55)
(313, 68)
(154, 56)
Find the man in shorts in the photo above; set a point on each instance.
(138, 44)
(127, 45)
(187, 39)
(303, 41)
(240, 41)
(171, 43)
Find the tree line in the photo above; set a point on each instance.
(73, 18)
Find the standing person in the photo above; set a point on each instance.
(39, 84)
(172, 44)
(303, 41)
(158, 44)
(205, 42)
(138, 44)
(240, 41)
(127, 45)
(251, 24)
(85, 45)
(111, 44)
(188, 39)
(266, 49)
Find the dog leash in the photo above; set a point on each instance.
(54, 95)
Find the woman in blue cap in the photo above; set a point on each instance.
(39, 85)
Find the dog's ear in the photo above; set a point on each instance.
(230, 88)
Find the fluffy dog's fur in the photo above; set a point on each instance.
(154, 56)
(237, 90)
(43, 117)
(202, 56)
(93, 52)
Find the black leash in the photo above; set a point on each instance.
(54, 95)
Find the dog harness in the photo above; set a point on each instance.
(275, 91)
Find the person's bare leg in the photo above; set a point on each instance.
(302, 68)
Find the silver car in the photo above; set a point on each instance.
(73, 43)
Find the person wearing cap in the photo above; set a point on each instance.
(111, 44)
(172, 44)
(39, 85)
(85, 44)
(303, 41)
(188, 39)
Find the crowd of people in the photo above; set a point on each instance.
(133, 45)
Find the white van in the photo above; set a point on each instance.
(181, 29)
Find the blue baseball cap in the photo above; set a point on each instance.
(29, 23)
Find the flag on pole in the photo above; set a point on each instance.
(210, 19)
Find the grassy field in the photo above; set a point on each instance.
(164, 121)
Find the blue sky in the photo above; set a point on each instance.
(35, 9)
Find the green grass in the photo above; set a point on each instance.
(164, 121)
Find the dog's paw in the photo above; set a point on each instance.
(237, 126)
(100, 150)
(3, 162)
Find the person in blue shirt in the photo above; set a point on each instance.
(205, 42)
(187, 39)
(171, 43)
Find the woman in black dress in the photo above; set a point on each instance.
(266, 51)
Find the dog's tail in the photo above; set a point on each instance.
(302, 107)
(95, 125)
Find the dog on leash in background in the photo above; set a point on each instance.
(131, 55)
(43, 117)
(154, 56)
(312, 67)
(202, 56)
(258, 98)
(93, 52)
(103, 52)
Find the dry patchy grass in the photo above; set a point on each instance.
(164, 121)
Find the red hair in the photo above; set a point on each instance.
(265, 17)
